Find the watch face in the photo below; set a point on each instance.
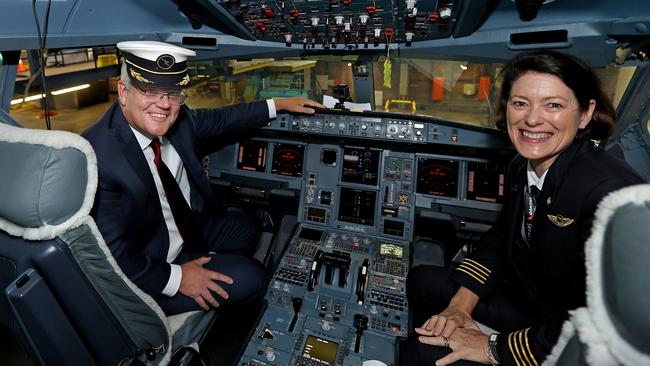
(493, 337)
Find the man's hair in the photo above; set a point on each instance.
(575, 74)
(124, 76)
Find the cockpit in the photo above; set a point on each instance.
(405, 167)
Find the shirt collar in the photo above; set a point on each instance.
(533, 179)
(143, 140)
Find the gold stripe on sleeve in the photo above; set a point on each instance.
(520, 340)
(471, 275)
(485, 269)
(474, 271)
(530, 351)
(518, 348)
(512, 351)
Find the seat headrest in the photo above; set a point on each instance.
(47, 181)
(618, 274)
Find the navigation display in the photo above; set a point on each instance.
(360, 166)
(287, 159)
(437, 177)
(357, 206)
(485, 181)
(252, 155)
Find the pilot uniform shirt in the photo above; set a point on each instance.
(128, 209)
(550, 269)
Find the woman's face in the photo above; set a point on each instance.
(543, 117)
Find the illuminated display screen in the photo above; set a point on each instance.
(357, 206)
(252, 155)
(287, 159)
(485, 182)
(437, 177)
(395, 228)
(320, 350)
(316, 214)
(391, 249)
(360, 166)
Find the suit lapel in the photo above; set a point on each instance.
(554, 180)
(133, 152)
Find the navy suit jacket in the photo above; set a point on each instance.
(551, 273)
(127, 208)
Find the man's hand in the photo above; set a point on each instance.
(466, 343)
(297, 105)
(197, 282)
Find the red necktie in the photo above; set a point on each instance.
(180, 209)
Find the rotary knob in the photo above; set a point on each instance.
(270, 356)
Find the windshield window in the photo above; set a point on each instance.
(459, 91)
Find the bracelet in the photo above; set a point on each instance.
(493, 356)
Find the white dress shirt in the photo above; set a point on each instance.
(173, 161)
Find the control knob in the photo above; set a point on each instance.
(364, 127)
(270, 355)
(327, 326)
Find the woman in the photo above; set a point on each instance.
(529, 271)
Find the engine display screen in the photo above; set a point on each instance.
(357, 206)
(485, 182)
(287, 159)
(360, 166)
(252, 155)
(437, 177)
(319, 349)
(391, 249)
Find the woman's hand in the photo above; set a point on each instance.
(466, 344)
(445, 323)
(456, 315)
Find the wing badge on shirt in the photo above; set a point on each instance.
(559, 220)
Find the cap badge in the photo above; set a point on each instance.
(165, 61)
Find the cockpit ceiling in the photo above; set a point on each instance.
(454, 29)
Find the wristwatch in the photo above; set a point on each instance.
(493, 356)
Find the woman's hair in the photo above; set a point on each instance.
(576, 75)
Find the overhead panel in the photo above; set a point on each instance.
(345, 24)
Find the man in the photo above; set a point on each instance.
(154, 206)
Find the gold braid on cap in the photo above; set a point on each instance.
(185, 81)
(139, 77)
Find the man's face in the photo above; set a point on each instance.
(150, 116)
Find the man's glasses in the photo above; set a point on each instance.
(175, 97)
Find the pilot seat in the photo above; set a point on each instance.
(63, 295)
(614, 327)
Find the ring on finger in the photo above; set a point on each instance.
(446, 339)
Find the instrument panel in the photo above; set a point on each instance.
(336, 298)
(338, 295)
(345, 24)
(349, 172)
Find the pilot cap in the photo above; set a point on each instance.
(156, 65)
